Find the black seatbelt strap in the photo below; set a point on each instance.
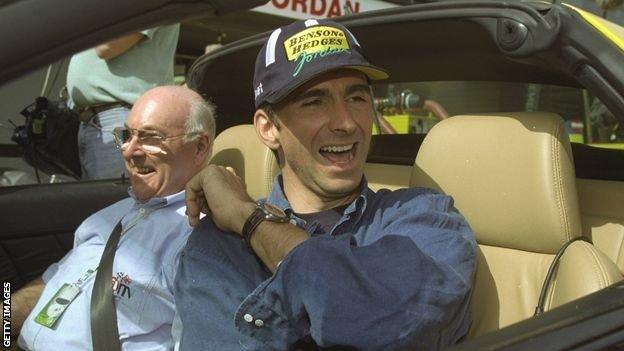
(551, 274)
(104, 332)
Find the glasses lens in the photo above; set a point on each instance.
(148, 140)
(152, 149)
(149, 137)
(122, 136)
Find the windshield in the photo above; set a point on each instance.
(415, 107)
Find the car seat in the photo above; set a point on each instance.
(512, 176)
(240, 148)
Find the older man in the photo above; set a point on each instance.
(103, 82)
(324, 261)
(166, 140)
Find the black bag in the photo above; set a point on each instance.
(49, 137)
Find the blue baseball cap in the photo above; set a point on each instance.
(303, 50)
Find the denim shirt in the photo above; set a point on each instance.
(395, 273)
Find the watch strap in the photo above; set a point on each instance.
(252, 222)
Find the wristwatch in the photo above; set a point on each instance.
(263, 211)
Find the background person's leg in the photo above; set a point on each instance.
(99, 157)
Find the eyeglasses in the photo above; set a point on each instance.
(150, 141)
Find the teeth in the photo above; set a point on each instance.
(143, 169)
(337, 148)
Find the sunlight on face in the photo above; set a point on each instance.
(161, 173)
(325, 132)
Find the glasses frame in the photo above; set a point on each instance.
(119, 143)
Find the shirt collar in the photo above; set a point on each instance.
(157, 201)
(278, 198)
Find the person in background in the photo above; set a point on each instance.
(104, 82)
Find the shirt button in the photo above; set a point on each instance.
(142, 210)
(259, 323)
(248, 318)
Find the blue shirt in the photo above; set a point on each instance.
(395, 273)
(153, 236)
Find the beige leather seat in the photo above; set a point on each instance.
(512, 177)
(240, 148)
(602, 216)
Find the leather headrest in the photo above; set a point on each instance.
(240, 148)
(511, 175)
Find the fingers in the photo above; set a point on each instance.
(203, 204)
(233, 172)
(194, 199)
(217, 187)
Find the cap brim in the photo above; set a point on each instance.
(372, 72)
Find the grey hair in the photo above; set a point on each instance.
(201, 120)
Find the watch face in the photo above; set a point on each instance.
(274, 213)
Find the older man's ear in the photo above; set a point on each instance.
(204, 150)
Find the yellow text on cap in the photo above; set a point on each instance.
(315, 39)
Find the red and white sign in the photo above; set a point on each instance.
(303, 9)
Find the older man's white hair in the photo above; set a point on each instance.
(201, 120)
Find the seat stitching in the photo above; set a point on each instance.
(601, 273)
(268, 179)
(559, 180)
(619, 252)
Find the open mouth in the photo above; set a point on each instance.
(141, 170)
(144, 170)
(339, 154)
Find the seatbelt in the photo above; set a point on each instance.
(104, 332)
(541, 302)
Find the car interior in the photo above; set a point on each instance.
(545, 208)
(536, 187)
(531, 190)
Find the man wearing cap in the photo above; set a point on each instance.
(323, 261)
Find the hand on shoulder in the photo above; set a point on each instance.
(220, 193)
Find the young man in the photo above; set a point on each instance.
(166, 140)
(324, 261)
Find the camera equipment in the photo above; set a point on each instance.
(49, 137)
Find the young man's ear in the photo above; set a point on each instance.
(266, 130)
(203, 151)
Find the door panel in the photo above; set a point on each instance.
(38, 223)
